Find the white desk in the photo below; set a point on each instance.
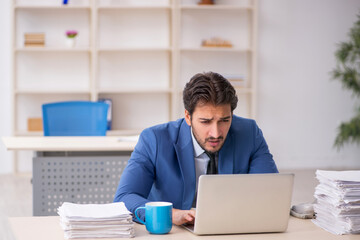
(45, 228)
(65, 144)
(49, 144)
(73, 169)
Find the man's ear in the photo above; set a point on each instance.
(187, 117)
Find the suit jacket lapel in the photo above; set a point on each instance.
(226, 155)
(185, 155)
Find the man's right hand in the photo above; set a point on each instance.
(179, 217)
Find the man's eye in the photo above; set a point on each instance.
(225, 120)
(205, 122)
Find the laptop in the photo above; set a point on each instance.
(242, 203)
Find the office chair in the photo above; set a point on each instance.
(75, 118)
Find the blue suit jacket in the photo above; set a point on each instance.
(162, 166)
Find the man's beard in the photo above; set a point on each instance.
(202, 145)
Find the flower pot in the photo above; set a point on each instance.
(70, 42)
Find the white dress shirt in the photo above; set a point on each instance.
(201, 160)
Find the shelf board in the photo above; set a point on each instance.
(128, 7)
(25, 133)
(42, 7)
(133, 49)
(216, 7)
(39, 92)
(135, 90)
(216, 49)
(52, 49)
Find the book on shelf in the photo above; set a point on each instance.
(34, 39)
(216, 42)
(34, 45)
(236, 80)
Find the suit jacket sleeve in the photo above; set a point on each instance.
(261, 160)
(138, 176)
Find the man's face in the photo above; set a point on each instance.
(210, 125)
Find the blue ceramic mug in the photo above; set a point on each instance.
(158, 217)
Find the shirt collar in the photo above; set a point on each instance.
(197, 148)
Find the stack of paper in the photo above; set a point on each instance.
(338, 201)
(111, 220)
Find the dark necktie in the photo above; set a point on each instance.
(211, 168)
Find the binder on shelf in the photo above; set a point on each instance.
(109, 116)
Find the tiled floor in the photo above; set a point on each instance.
(16, 196)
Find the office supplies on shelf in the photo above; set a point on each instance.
(110, 220)
(338, 201)
(206, 2)
(35, 124)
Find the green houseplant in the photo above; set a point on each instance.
(347, 71)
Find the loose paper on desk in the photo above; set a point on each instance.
(111, 220)
(338, 201)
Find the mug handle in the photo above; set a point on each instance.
(138, 216)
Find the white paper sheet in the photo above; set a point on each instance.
(111, 220)
(338, 201)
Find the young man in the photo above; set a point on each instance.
(169, 158)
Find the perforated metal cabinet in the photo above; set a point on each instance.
(76, 177)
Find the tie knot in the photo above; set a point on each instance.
(210, 155)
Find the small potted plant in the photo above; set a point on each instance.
(70, 37)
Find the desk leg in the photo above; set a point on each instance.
(15, 162)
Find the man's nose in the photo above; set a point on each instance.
(215, 131)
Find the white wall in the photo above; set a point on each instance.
(299, 107)
(5, 84)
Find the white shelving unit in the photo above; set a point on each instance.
(139, 53)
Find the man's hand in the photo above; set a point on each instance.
(180, 217)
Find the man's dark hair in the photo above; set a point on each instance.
(208, 87)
